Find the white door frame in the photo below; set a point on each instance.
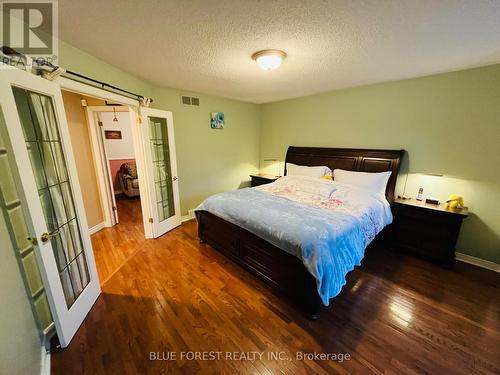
(134, 108)
(104, 178)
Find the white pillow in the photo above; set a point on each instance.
(301, 170)
(315, 186)
(375, 182)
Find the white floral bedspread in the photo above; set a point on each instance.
(372, 211)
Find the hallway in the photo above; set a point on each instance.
(114, 246)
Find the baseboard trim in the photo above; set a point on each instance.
(44, 362)
(477, 262)
(97, 228)
(189, 216)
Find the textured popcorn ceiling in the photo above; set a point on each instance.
(205, 45)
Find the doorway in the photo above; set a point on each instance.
(120, 160)
(40, 150)
(120, 186)
(115, 150)
(131, 157)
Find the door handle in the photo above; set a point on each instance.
(33, 240)
(175, 178)
(47, 236)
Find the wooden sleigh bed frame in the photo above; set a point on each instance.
(277, 268)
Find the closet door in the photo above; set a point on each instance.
(35, 127)
(161, 170)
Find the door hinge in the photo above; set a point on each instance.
(114, 208)
(99, 123)
(151, 220)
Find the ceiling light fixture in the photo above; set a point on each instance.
(269, 59)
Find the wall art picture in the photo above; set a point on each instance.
(113, 134)
(217, 120)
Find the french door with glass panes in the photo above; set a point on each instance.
(37, 133)
(161, 170)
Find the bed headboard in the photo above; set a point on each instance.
(351, 159)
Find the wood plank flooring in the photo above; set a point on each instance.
(114, 246)
(396, 315)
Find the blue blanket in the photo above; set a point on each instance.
(330, 243)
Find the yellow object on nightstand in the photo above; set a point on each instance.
(455, 201)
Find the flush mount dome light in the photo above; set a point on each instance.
(269, 59)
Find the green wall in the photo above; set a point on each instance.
(211, 161)
(208, 161)
(20, 345)
(448, 123)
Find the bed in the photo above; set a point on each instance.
(260, 228)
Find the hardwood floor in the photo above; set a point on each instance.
(396, 315)
(114, 246)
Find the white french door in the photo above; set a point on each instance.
(161, 170)
(37, 132)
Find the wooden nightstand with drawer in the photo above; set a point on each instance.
(262, 178)
(426, 230)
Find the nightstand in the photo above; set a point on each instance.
(262, 178)
(426, 230)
